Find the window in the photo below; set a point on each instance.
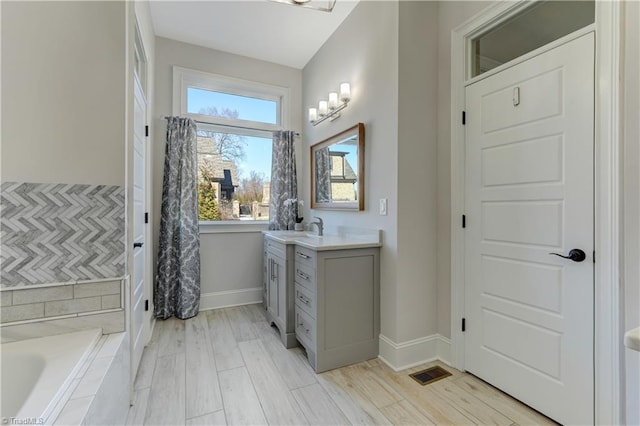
(539, 24)
(235, 121)
(207, 102)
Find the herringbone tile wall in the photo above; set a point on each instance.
(59, 233)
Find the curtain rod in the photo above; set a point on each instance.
(226, 125)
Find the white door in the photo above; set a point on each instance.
(529, 192)
(140, 248)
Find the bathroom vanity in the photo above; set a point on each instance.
(277, 292)
(325, 294)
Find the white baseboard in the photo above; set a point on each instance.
(444, 349)
(225, 299)
(400, 356)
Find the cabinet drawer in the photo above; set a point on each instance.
(277, 249)
(305, 329)
(305, 256)
(305, 275)
(305, 300)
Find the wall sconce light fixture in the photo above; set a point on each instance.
(331, 109)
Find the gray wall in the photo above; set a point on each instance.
(417, 171)
(63, 92)
(450, 15)
(230, 261)
(397, 58)
(364, 52)
(63, 122)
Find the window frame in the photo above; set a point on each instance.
(184, 78)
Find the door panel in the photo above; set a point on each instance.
(281, 279)
(535, 285)
(508, 222)
(529, 192)
(139, 208)
(524, 342)
(500, 101)
(273, 287)
(531, 161)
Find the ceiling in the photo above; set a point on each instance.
(261, 29)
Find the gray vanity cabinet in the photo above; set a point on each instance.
(278, 289)
(265, 275)
(337, 305)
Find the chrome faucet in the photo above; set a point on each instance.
(319, 224)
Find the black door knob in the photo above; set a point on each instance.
(576, 255)
(136, 245)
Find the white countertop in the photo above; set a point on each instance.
(632, 339)
(326, 242)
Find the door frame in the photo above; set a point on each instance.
(139, 43)
(607, 209)
(135, 40)
(132, 287)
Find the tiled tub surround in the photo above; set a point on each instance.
(100, 393)
(44, 311)
(60, 233)
(36, 372)
(84, 379)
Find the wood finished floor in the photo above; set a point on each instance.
(228, 366)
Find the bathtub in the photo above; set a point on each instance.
(36, 372)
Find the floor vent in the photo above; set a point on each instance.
(430, 375)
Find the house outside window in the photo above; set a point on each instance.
(235, 119)
(343, 178)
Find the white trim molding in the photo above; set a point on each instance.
(183, 78)
(608, 337)
(608, 208)
(225, 299)
(444, 349)
(400, 356)
(232, 226)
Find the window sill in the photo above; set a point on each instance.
(233, 226)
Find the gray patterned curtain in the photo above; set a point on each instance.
(283, 206)
(323, 175)
(178, 275)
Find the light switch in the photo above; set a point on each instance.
(383, 206)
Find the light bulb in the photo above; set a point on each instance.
(333, 101)
(322, 108)
(345, 92)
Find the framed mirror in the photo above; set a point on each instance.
(337, 171)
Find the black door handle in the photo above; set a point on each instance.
(576, 255)
(136, 245)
